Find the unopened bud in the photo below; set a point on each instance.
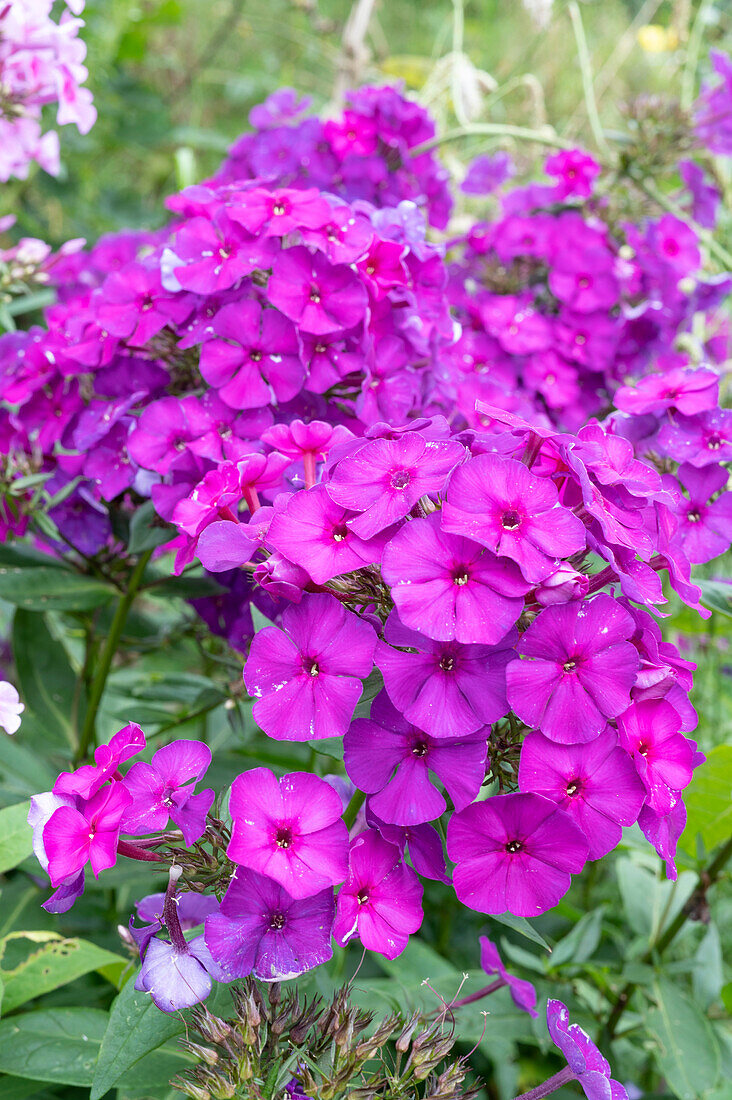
(402, 1043)
(205, 1054)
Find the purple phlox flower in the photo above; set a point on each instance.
(164, 429)
(284, 105)
(192, 908)
(583, 1058)
(164, 788)
(675, 242)
(706, 525)
(663, 757)
(575, 171)
(261, 930)
(309, 442)
(254, 353)
(88, 779)
(289, 829)
(662, 831)
(210, 499)
(306, 678)
(11, 707)
(313, 531)
(612, 462)
(344, 238)
(225, 545)
(213, 254)
(353, 133)
(522, 992)
(390, 760)
(382, 269)
(444, 688)
(422, 843)
(42, 808)
(713, 108)
(584, 279)
(451, 588)
(518, 327)
(579, 669)
(330, 357)
(487, 173)
(74, 836)
(595, 783)
(177, 975)
(502, 505)
(561, 586)
(321, 297)
(281, 578)
(381, 900)
(279, 212)
(261, 474)
(705, 197)
(133, 304)
(514, 854)
(385, 478)
(687, 391)
(589, 339)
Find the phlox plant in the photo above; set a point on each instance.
(407, 507)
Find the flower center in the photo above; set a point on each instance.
(400, 479)
(340, 532)
(570, 666)
(315, 295)
(573, 787)
(461, 576)
(510, 521)
(313, 668)
(362, 896)
(693, 517)
(583, 282)
(278, 209)
(643, 748)
(514, 846)
(714, 443)
(447, 664)
(255, 356)
(420, 749)
(283, 837)
(277, 922)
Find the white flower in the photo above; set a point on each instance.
(11, 707)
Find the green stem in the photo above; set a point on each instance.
(688, 77)
(106, 656)
(494, 129)
(351, 812)
(707, 878)
(583, 56)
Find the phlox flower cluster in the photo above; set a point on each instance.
(41, 63)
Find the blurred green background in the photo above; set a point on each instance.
(174, 80)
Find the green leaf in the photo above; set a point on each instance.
(136, 1027)
(717, 596)
(16, 836)
(147, 530)
(57, 1044)
(16, 1088)
(47, 588)
(46, 680)
(648, 900)
(580, 944)
(417, 964)
(522, 926)
(57, 962)
(708, 977)
(708, 800)
(22, 771)
(687, 1052)
(259, 619)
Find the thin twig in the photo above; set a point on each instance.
(583, 56)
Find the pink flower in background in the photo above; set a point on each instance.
(11, 707)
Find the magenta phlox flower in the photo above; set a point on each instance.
(319, 296)
(89, 778)
(595, 783)
(281, 211)
(575, 172)
(587, 1064)
(382, 268)
(73, 837)
(502, 505)
(261, 930)
(215, 254)
(522, 992)
(385, 478)
(444, 688)
(422, 843)
(662, 831)
(687, 391)
(663, 757)
(381, 900)
(307, 442)
(164, 429)
(306, 678)
(514, 854)
(214, 495)
(177, 975)
(590, 339)
(281, 578)
(577, 669)
(584, 280)
(698, 440)
(391, 760)
(225, 545)
(134, 304)
(519, 328)
(253, 354)
(705, 524)
(612, 462)
(313, 531)
(289, 829)
(449, 587)
(561, 586)
(344, 238)
(164, 789)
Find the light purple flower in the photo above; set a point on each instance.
(499, 503)
(381, 900)
(486, 173)
(391, 760)
(177, 976)
(262, 931)
(687, 391)
(583, 1058)
(578, 668)
(306, 678)
(522, 992)
(289, 829)
(595, 783)
(699, 440)
(11, 707)
(514, 854)
(164, 788)
(444, 688)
